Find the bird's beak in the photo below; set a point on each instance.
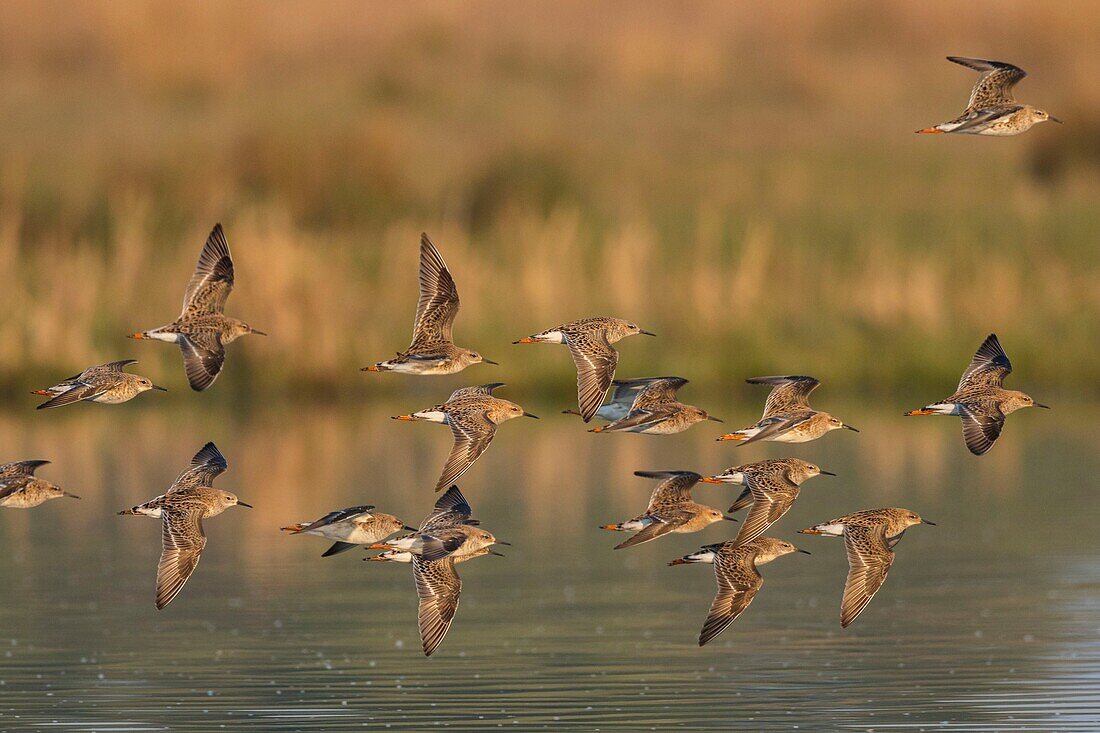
(162, 389)
(502, 542)
(849, 427)
(925, 521)
(1054, 119)
(729, 519)
(258, 333)
(526, 340)
(715, 419)
(527, 414)
(1040, 404)
(711, 480)
(241, 503)
(410, 529)
(804, 552)
(136, 336)
(827, 473)
(647, 333)
(498, 554)
(403, 417)
(489, 361)
(71, 496)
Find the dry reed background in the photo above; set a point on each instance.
(741, 178)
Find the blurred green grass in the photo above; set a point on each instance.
(742, 180)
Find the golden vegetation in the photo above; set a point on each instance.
(741, 179)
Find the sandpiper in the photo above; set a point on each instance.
(981, 400)
(202, 329)
(735, 569)
(21, 489)
(445, 537)
(770, 488)
(623, 392)
(432, 350)
(473, 415)
(181, 510)
(992, 110)
(106, 383)
(869, 537)
(670, 509)
(788, 417)
(356, 525)
(656, 411)
(589, 341)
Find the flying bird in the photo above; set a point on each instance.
(105, 383)
(771, 488)
(189, 500)
(473, 414)
(446, 536)
(788, 417)
(21, 489)
(656, 411)
(736, 570)
(992, 110)
(981, 399)
(670, 509)
(202, 329)
(433, 349)
(589, 341)
(869, 538)
(356, 525)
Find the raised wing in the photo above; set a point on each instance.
(473, 431)
(20, 468)
(596, 362)
(642, 418)
(625, 390)
(994, 86)
(478, 391)
(338, 516)
(438, 305)
(869, 560)
(988, 368)
(738, 582)
(182, 541)
(438, 587)
(657, 392)
(450, 509)
(789, 393)
(212, 280)
(205, 466)
(674, 489)
(203, 357)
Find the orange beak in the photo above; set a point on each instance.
(526, 340)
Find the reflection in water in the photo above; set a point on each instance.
(986, 623)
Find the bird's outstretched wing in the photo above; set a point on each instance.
(438, 304)
(438, 587)
(869, 560)
(212, 280)
(789, 393)
(994, 86)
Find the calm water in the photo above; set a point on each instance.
(989, 622)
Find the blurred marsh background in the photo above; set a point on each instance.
(741, 178)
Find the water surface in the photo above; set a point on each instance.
(988, 622)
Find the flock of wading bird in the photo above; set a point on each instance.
(449, 535)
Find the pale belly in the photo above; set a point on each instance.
(24, 500)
